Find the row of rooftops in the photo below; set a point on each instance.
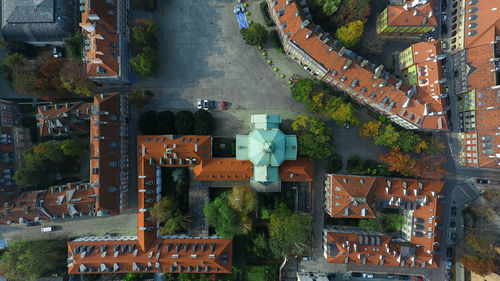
(477, 59)
(63, 119)
(344, 69)
(412, 13)
(359, 197)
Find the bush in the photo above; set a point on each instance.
(184, 122)
(203, 123)
(334, 163)
(255, 35)
(74, 45)
(145, 63)
(166, 122)
(277, 41)
(265, 13)
(148, 123)
(355, 165)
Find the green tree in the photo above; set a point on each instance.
(330, 6)
(166, 120)
(350, 35)
(383, 222)
(50, 150)
(255, 34)
(260, 245)
(222, 217)
(184, 122)
(314, 136)
(141, 98)
(340, 112)
(352, 10)
(73, 78)
(370, 129)
(145, 63)
(71, 147)
(132, 276)
(203, 123)
(303, 89)
(74, 45)
(408, 141)
(288, 232)
(145, 32)
(31, 259)
(148, 123)
(243, 199)
(168, 214)
(388, 136)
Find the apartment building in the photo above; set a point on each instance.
(476, 54)
(107, 34)
(109, 152)
(63, 119)
(349, 196)
(410, 107)
(413, 18)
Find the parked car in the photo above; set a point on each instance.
(452, 223)
(453, 236)
(444, 29)
(444, 5)
(404, 277)
(306, 258)
(445, 16)
(32, 223)
(448, 275)
(391, 276)
(367, 275)
(57, 52)
(431, 39)
(484, 181)
(449, 252)
(48, 229)
(356, 274)
(453, 211)
(239, 9)
(205, 105)
(200, 106)
(418, 278)
(223, 105)
(449, 263)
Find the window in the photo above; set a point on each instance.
(95, 171)
(112, 189)
(113, 164)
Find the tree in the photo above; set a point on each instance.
(222, 217)
(184, 122)
(166, 120)
(31, 259)
(73, 78)
(148, 123)
(243, 199)
(399, 162)
(407, 141)
(255, 34)
(330, 6)
(21, 48)
(352, 10)
(340, 112)
(350, 35)
(145, 63)
(388, 136)
(179, 175)
(71, 147)
(385, 223)
(168, 214)
(302, 90)
(370, 129)
(145, 32)
(315, 103)
(141, 99)
(50, 150)
(132, 276)
(480, 266)
(203, 123)
(315, 137)
(74, 45)
(288, 232)
(334, 163)
(435, 145)
(260, 245)
(374, 44)
(430, 167)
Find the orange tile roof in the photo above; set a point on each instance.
(218, 169)
(421, 15)
(484, 22)
(422, 196)
(301, 169)
(196, 255)
(355, 246)
(99, 25)
(109, 152)
(54, 119)
(381, 94)
(429, 68)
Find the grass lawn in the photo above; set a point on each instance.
(224, 147)
(255, 273)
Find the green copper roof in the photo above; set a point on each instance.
(266, 147)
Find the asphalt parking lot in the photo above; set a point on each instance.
(209, 60)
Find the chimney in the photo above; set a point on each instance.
(426, 110)
(405, 184)
(416, 192)
(326, 40)
(345, 180)
(387, 189)
(398, 85)
(304, 24)
(347, 64)
(309, 34)
(362, 181)
(364, 63)
(420, 185)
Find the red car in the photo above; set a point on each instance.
(223, 105)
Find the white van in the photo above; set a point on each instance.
(47, 229)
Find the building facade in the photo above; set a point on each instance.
(360, 197)
(410, 107)
(413, 18)
(107, 34)
(475, 48)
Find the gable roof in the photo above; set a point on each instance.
(62, 119)
(405, 15)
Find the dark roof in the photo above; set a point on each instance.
(36, 20)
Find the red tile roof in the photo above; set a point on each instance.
(380, 94)
(109, 152)
(301, 169)
(405, 15)
(99, 25)
(63, 119)
(354, 193)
